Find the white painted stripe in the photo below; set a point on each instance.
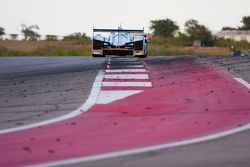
(146, 149)
(132, 84)
(243, 82)
(126, 76)
(135, 66)
(126, 66)
(125, 60)
(88, 104)
(126, 70)
(106, 97)
(152, 148)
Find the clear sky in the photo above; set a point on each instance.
(61, 17)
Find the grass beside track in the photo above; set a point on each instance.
(161, 50)
(44, 48)
(70, 48)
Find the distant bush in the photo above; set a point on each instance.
(77, 37)
(181, 40)
(160, 50)
(56, 51)
(51, 38)
(185, 41)
(13, 37)
(221, 42)
(163, 51)
(47, 51)
(242, 45)
(158, 40)
(7, 52)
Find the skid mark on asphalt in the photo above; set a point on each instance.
(123, 77)
(87, 105)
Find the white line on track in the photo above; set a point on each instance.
(124, 60)
(132, 84)
(129, 66)
(126, 76)
(152, 148)
(126, 70)
(106, 97)
(243, 82)
(145, 149)
(88, 104)
(135, 66)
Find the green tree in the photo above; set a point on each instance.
(197, 31)
(51, 38)
(164, 28)
(85, 37)
(228, 28)
(246, 23)
(13, 37)
(76, 37)
(2, 32)
(30, 32)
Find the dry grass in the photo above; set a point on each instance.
(161, 50)
(45, 48)
(213, 51)
(63, 48)
(31, 46)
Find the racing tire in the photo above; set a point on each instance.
(143, 56)
(94, 55)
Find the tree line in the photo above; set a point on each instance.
(193, 30)
(30, 33)
(164, 28)
(169, 28)
(246, 25)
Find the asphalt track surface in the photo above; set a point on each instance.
(229, 151)
(41, 88)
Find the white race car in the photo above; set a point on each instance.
(119, 42)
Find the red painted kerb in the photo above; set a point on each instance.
(188, 100)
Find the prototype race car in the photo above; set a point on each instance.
(119, 42)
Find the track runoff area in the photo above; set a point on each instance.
(135, 108)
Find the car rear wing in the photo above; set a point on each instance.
(131, 31)
(118, 30)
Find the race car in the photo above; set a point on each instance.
(119, 42)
